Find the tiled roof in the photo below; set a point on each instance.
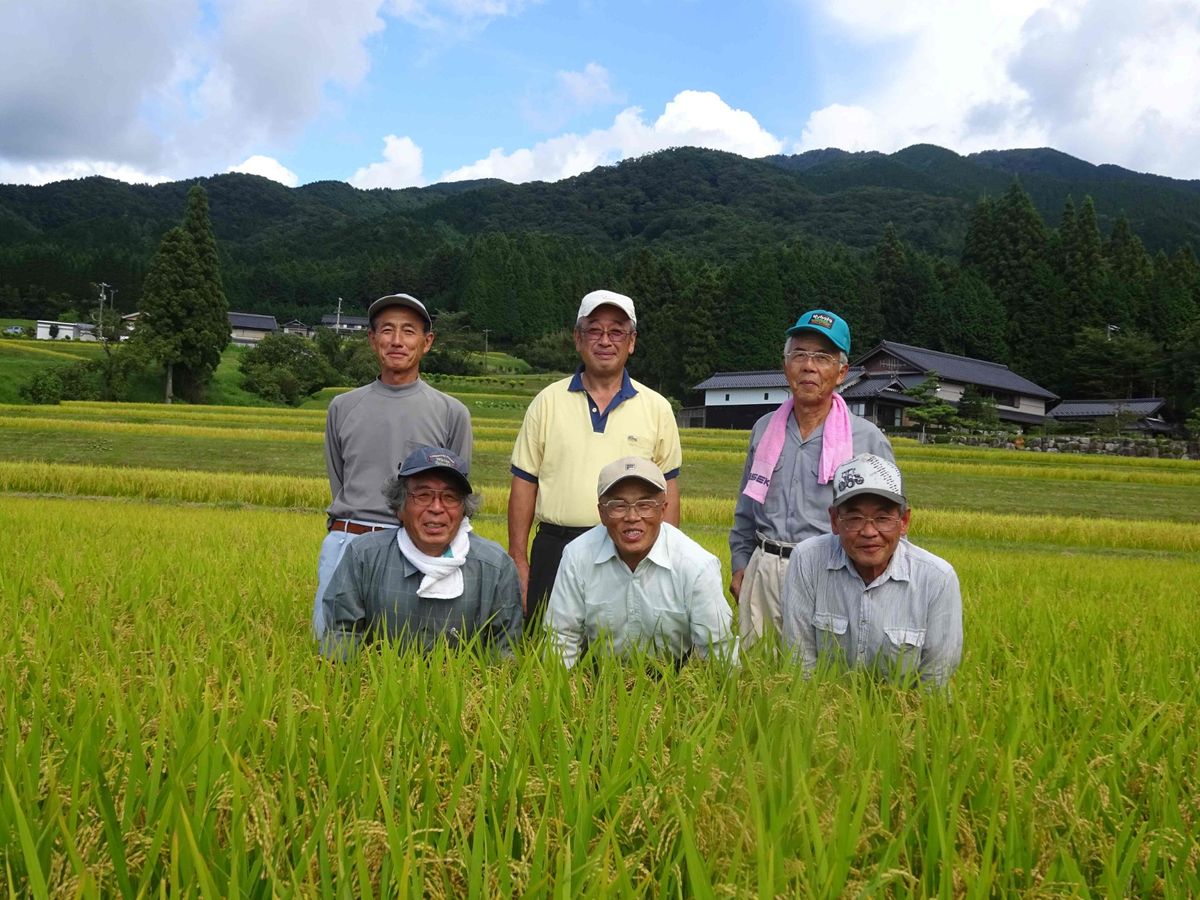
(870, 386)
(253, 320)
(764, 378)
(1089, 409)
(961, 369)
(1021, 418)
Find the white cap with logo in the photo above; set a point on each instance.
(630, 467)
(596, 299)
(868, 474)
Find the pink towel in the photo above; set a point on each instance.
(837, 446)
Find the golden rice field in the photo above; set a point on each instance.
(166, 727)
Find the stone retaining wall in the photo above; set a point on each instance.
(1111, 446)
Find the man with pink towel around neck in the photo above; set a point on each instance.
(787, 481)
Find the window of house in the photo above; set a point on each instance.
(726, 398)
(766, 395)
(858, 407)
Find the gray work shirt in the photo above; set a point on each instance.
(796, 507)
(373, 593)
(905, 623)
(370, 430)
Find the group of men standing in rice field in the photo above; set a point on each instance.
(818, 548)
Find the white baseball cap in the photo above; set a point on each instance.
(611, 298)
(868, 474)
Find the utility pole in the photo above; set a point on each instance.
(486, 332)
(100, 315)
(338, 326)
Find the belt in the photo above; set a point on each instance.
(567, 532)
(354, 528)
(781, 550)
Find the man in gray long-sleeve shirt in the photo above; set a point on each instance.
(865, 598)
(796, 505)
(430, 580)
(370, 429)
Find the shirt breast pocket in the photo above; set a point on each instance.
(901, 650)
(831, 631)
(668, 627)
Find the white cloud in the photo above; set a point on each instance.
(164, 87)
(572, 93)
(441, 15)
(267, 168)
(692, 118)
(1100, 79)
(46, 173)
(272, 62)
(850, 128)
(587, 88)
(76, 77)
(401, 166)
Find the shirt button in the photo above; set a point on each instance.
(594, 409)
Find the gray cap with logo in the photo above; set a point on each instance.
(868, 474)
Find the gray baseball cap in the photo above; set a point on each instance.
(400, 300)
(868, 474)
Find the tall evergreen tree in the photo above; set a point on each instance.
(1171, 308)
(210, 326)
(1130, 273)
(701, 332)
(980, 245)
(166, 328)
(902, 285)
(754, 312)
(1082, 268)
(656, 287)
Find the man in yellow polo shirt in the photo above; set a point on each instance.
(572, 430)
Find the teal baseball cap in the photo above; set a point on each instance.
(827, 324)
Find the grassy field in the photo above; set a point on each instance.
(165, 726)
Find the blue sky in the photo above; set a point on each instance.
(393, 93)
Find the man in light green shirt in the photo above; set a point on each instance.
(635, 581)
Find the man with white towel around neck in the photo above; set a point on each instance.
(786, 488)
(431, 579)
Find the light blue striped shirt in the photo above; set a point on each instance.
(906, 622)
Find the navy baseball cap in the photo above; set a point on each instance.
(427, 459)
(827, 324)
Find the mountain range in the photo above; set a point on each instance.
(66, 235)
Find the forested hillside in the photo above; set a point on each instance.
(1026, 257)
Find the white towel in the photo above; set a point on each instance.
(443, 574)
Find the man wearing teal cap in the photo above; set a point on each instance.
(787, 481)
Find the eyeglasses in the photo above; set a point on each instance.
(596, 334)
(854, 522)
(425, 497)
(618, 509)
(816, 356)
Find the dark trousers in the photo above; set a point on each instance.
(544, 557)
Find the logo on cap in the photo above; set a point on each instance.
(825, 321)
(442, 460)
(849, 479)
